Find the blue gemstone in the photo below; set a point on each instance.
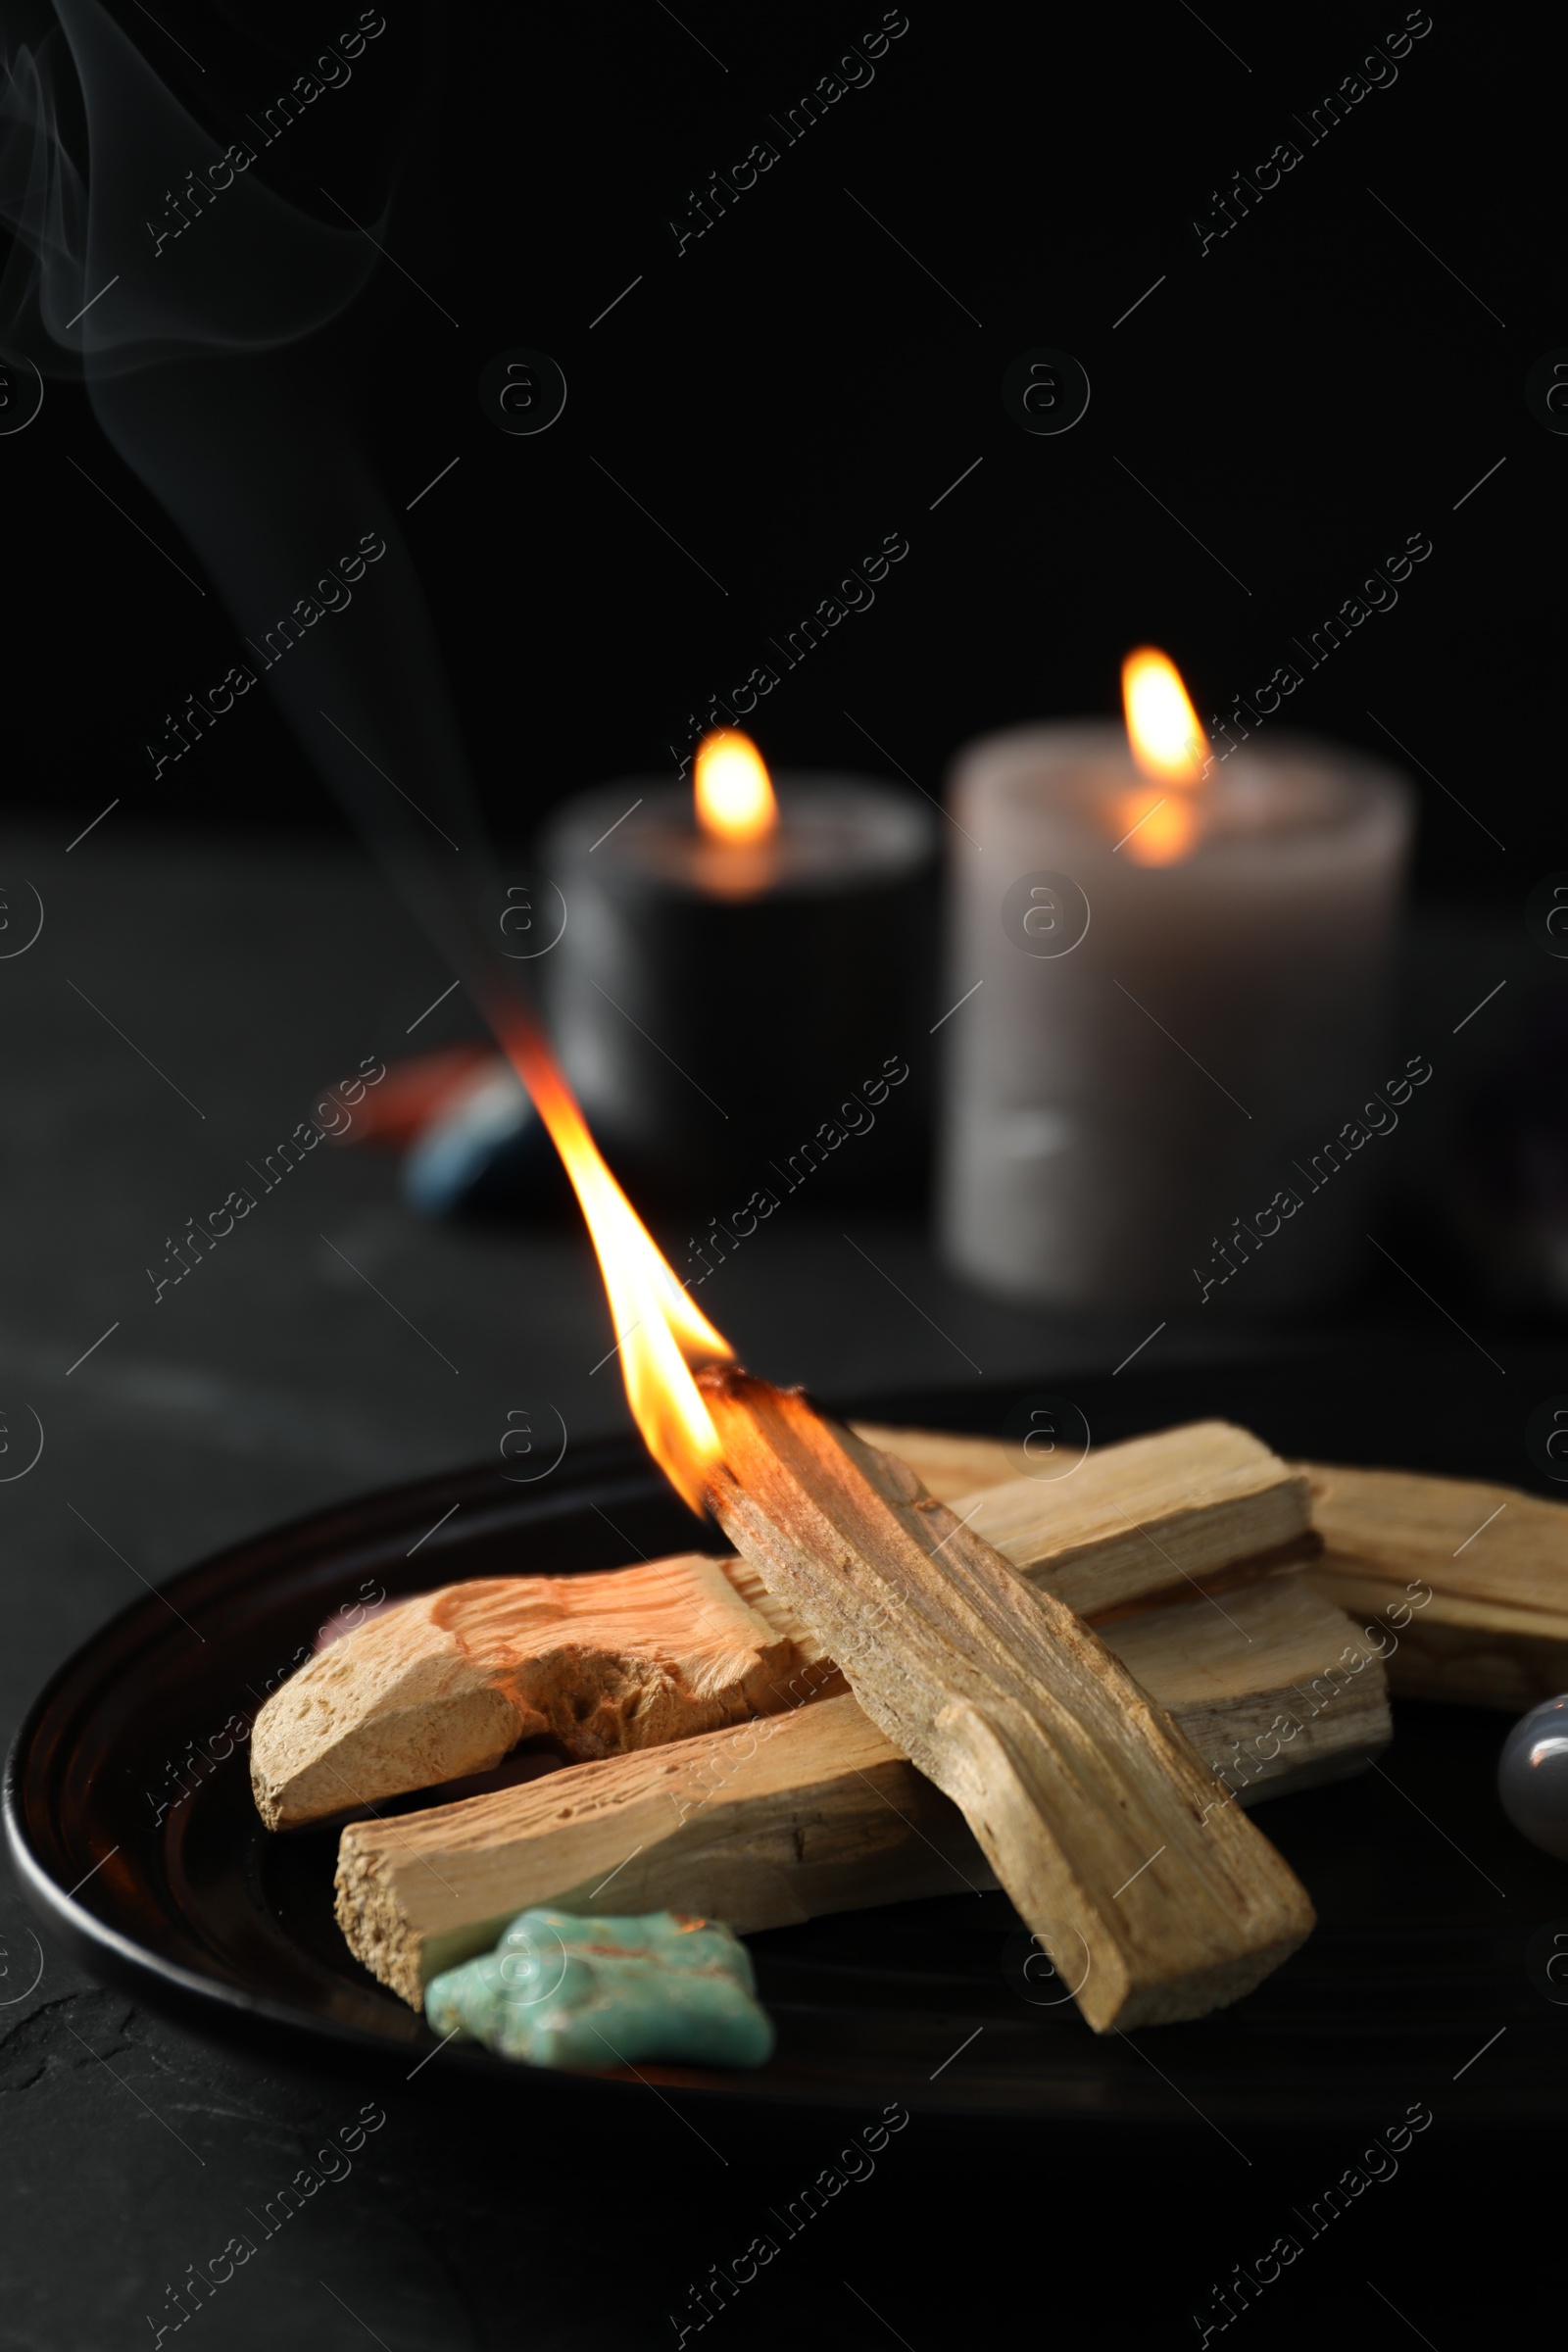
(490, 1152)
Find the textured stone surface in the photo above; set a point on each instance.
(593, 1993)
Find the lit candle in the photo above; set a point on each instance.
(740, 965)
(1178, 968)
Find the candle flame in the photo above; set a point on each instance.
(1167, 742)
(661, 1335)
(1160, 826)
(734, 796)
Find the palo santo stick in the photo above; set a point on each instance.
(444, 1684)
(1157, 1516)
(769, 1823)
(1196, 1508)
(448, 1682)
(1260, 1688)
(1093, 1811)
(946, 1464)
(758, 1825)
(1139, 1523)
(1204, 1495)
(1470, 1581)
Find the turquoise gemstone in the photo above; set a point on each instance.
(593, 1993)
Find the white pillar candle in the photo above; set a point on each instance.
(1159, 1110)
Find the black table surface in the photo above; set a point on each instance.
(173, 1020)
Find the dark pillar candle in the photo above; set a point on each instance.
(720, 1006)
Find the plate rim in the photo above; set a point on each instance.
(219, 2004)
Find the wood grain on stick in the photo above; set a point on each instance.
(1093, 1812)
(946, 1464)
(1187, 1508)
(779, 1820)
(1467, 1582)
(759, 1824)
(444, 1684)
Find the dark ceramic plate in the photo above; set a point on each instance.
(1431, 1908)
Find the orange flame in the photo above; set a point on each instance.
(659, 1330)
(1167, 742)
(734, 796)
(1173, 752)
(1159, 828)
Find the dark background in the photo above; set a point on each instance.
(1305, 395)
(788, 391)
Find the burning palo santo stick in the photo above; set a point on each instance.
(782, 1819)
(1093, 1811)
(444, 1685)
